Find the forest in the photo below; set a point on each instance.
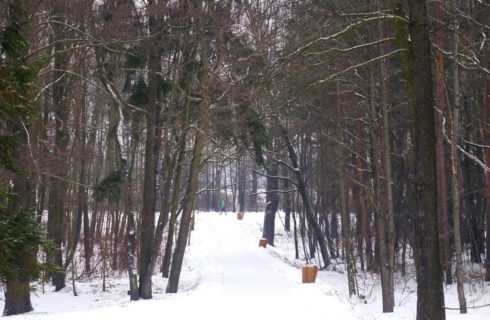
(366, 122)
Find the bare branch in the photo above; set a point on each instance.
(276, 177)
(345, 30)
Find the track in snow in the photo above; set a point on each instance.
(226, 276)
(241, 280)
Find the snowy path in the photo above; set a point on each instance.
(249, 280)
(226, 276)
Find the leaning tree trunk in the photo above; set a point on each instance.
(202, 120)
(303, 191)
(178, 256)
(163, 219)
(167, 257)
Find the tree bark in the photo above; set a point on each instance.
(163, 219)
(253, 196)
(440, 102)
(486, 135)
(88, 234)
(241, 185)
(131, 224)
(147, 229)
(80, 118)
(178, 256)
(17, 297)
(390, 213)
(167, 257)
(303, 191)
(418, 74)
(454, 166)
(361, 199)
(287, 202)
(17, 287)
(57, 193)
(381, 253)
(344, 210)
(272, 202)
(202, 118)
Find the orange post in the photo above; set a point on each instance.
(263, 243)
(309, 273)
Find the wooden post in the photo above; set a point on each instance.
(309, 273)
(263, 243)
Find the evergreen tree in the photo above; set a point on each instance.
(20, 233)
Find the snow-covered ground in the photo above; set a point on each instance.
(227, 276)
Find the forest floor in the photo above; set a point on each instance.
(227, 276)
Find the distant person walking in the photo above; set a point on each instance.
(222, 207)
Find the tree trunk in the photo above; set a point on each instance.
(178, 256)
(253, 195)
(303, 191)
(295, 234)
(87, 229)
(188, 206)
(129, 207)
(17, 286)
(287, 203)
(131, 251)
(241, 185)
(365, 220)
(272, 201)
(344, 210)
(380, 220)
(147, 229)
(148, 213)
(57, 193)
(17, 297)
(457, 210)
(165, 209)
(82, 197)
(19, 198)
(167, 257)
(418, 73)
(390, 214)
(440, 101)
(486, 135)
(454, 166)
